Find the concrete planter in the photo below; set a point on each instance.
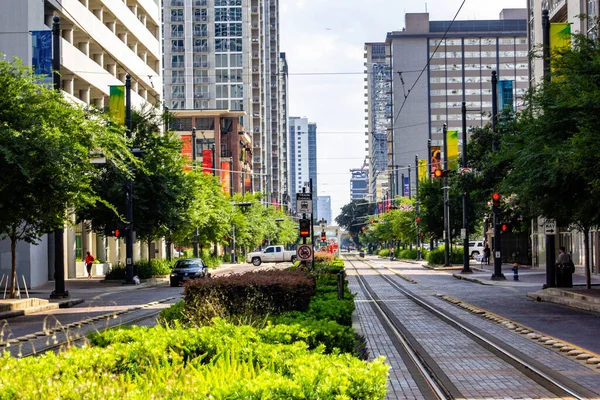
(97, 269)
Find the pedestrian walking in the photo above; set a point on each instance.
(486, 254)
(89, 260)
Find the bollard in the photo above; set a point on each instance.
(340, 285)
(515, 270)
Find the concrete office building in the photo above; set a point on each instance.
(379, 108)
(224, 55)
(324, 207)
(459, 70)
(303, 158)
(101, 42)
(359, 183)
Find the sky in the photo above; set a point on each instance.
(324, 46)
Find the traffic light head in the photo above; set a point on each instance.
(504, 227)
(441, 173)
(304, 228)
(117, 232)
(496, 199)
(323, 236)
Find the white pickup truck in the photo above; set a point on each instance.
(271, 254)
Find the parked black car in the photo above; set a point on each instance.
(186, 269)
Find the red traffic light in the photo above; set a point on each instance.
(323, 237)
(504, 227)
(117, 232)
(418, 220)
(438, 173)
(496, 199)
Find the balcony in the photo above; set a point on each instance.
(200, 3)
(254, 10)
(200, 18)
(178, 34)
(177, 79)
(177, 65)
(176, 18)
(200, 49)
(255, 55)
(202, 95)
(176, 3)
(201, 79)
(177, 95)
(200, 34)
(200, 64)
(177, 49)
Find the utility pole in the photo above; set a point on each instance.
(59, 291)
(194, 156)
(428, 169)
(446, 209)
(417, 208)
(466, 267)
(497, 275)
(402, 181)
(550, 239)
(128, 192)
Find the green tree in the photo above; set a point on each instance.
(353, 217)
(553, 153)
(45, 147)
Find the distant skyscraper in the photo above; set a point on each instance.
(224, 54)
(359, 183)
(303, 156)
(324, 207)
(379, 98)
(457, 69)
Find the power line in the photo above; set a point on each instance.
(428, 61)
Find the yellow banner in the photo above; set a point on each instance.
(422, 170)
(117, 103)
(560, 35)
(452, 137)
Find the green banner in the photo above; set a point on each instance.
(452, 156)
(117, 103)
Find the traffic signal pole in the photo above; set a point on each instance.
(194, 156)
(497, 275)
(466, 256)
(446, 209)
(550, 239)
(128, 192)
(417, 208)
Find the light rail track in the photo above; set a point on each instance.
(431, 379)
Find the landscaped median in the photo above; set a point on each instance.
(273, 334)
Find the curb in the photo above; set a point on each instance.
(466, 278)
(540, 295)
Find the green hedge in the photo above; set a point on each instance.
(144, 269)
(384, 253)
(437, 255)
(410, 254)
(220, 361)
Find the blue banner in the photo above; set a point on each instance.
(505, 95)
(41, 60)
(405, 187)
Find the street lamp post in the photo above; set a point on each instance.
(446, 203)
(128, 192)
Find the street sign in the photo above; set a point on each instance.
(304, 252)
(550, 227)
(405, 207)
(463, 171)
(304, 203)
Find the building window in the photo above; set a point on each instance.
(177, 46)
(221, 60)
(237, 91)
(177, 15)
(177, 104)
(177, 91)
(200, 30)
(222, 91)
(222, 105)
(200, 45)
(237, 105)
(177, 30)
(177, 61)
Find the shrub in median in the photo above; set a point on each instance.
(144, 269)
(437, 255)
(249, 294)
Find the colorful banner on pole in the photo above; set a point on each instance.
(186, 150)
(452, 138)
(436, 158)
(41, 59)
(117, 103)
(422, 170)
(226, 177)
(207, 161)
(405, 191)
(560, 35)
(505, 95)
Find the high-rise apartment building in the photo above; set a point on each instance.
(324, 207)
(101, 42)
(359, 183)
(558, 11)
(379, 109)
(224, 55)
(282, 168)
(433, 76)
(302, 157)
